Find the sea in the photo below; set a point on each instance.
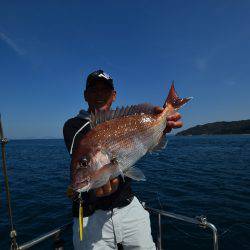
(193, 176)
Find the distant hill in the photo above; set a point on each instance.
(36, 138)
(219, 128)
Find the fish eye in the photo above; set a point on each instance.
(83, 162)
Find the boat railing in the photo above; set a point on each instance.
(55, 234)
(201, 221)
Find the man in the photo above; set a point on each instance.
(113, 216)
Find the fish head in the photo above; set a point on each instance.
(86, 169)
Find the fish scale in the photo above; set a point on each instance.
(126, 138)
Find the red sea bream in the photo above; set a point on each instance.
(117, 140)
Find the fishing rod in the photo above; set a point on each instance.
(13, 233)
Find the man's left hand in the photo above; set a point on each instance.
(172, 121)
(109, 188)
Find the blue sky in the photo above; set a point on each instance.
(47, 49)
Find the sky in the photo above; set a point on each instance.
(48, 48)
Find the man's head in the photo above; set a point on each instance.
(99, 92)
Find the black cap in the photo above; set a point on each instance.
(99, 76)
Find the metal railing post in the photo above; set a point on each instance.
(159, 232)
(13, 233)
(215, 235)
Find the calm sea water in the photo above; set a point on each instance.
(203, 175)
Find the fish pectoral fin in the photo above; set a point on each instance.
(160, 146)
(135, 174)
(121, 174)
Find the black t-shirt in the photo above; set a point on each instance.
(74, 130)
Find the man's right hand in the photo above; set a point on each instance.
(109, 188)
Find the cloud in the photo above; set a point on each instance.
(11, 44)
(230, 83)
(201, 63)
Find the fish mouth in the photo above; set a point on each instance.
(83, 189)
(83, 185)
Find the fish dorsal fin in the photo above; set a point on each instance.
(103, 116)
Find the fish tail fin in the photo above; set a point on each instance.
(174, 100)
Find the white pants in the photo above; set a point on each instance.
(129, 226)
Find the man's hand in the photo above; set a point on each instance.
(172, 121)
(109, 188)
